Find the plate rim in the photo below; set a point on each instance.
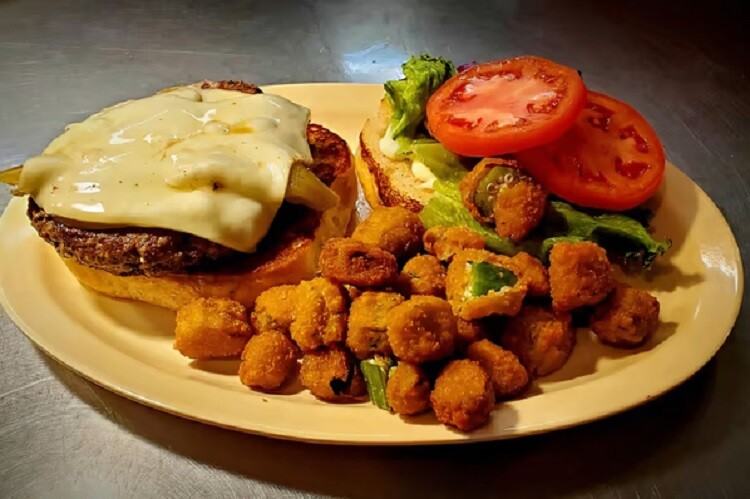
(111, 385)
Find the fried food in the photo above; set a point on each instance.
(209, 328)
(520, 204)
(422, 329)
(329, 374)
(579, 274)
(542, 340)
(368, 323)
(496, 190)
(268, 360)
(273, 309)
(422, 275)
(320, 314)
(534, 272)
(408, 390)
(445, 242)
(627, 319)
(509, 377)
(393, 229)
(463, 395)
(352, 262)
(470, 332)
(480, 283)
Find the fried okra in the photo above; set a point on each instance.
(481, 283)
(273, 309)
(496, 190)
(627, 318)
(393, 229)
(209, 328)
(542, 340)
(463, 395)
(445, 242)
(422, 329)
(509, 377)
(408, 389)
(368, 323)
(519, 207)
(533, 272)
(268, 360)
(470, 332)
(330, 374)
(352, 262)
(579, 274)
(422, 275)
(320, 314)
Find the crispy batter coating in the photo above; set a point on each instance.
(627, 318)
(368, 323)
(506, 301)
(463, 395)
(352, 262)
(209, 328)
(534, 272)
(319, 314)
(273, 309)
(519, 207)
(422, 329)
(470, 332)
(268, 360)
(328, 373)
(542, 340)
(579, 274)
(445, 242)
(393, 229)
(408, 390)
(509, 377)
(472, 182)
(422, 275)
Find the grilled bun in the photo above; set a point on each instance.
(385, 181)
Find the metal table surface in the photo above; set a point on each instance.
(683, 64)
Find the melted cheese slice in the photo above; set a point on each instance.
(213, 163)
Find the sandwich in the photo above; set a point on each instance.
(212, 189)
(518, 150)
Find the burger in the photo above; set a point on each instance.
(207, 189)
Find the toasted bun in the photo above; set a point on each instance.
(386, 182)
(290, 258)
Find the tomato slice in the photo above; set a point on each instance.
(611, 158)
(505, 106)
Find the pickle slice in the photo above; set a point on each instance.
(11, 176)
(306, 189)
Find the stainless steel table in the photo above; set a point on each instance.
(683, 64)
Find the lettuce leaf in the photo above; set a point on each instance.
(445, 209)
(615, 232)
(442, 163)
(408, 96)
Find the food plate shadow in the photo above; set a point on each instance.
(589, 355)
(644, 439)
(139, 318)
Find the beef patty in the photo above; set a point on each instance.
(155, 252)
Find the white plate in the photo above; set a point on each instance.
(127, 347)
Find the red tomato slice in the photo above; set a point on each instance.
(505, 106)
(611, 158)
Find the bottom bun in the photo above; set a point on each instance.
(295, 261)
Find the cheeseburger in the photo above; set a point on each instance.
(208, 189)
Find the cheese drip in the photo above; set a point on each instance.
(209, 162)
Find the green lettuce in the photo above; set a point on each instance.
(445, 209)
(408, 96)
(442, 163)
(616, 232)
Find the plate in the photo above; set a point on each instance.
(127, 347)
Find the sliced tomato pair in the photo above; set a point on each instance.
(585, 147)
